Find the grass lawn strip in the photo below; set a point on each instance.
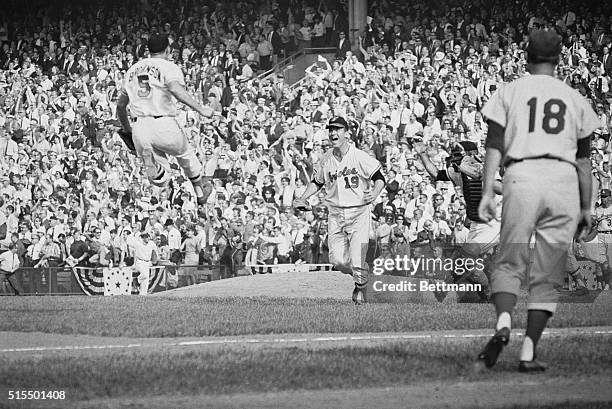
(231, 370)
(178, 317)
(17, 345)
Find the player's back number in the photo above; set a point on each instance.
(553, 120)
(144, 88)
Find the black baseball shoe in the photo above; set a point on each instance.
(496, 344)
(532, 366)
(359, 294)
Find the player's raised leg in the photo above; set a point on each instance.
(170, 139)
(143, 134)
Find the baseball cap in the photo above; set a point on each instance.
(157, 43)
(605, 193)
(337, 122)
(545, 45)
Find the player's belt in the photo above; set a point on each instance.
(605, 232)
(513, 161)
(140, 259)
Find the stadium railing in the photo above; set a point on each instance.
(164, 276)
(92, 280)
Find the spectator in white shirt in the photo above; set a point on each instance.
(460, 233)
(9, 263)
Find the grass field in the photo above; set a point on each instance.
(227, 370)
(260, 375)
(174, 317)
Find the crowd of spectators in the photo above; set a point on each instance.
(70, 191)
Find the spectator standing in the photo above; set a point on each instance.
(144, 253)
(9, 263)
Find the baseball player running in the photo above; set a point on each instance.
(464, 169)
(150, 88)
(346, 172)
(540, 129)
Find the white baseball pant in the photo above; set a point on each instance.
(348, 239)
(164, 136)
(144, 268)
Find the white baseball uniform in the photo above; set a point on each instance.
(142, 263)
(155, 109)
(346, 183)
(543, 119)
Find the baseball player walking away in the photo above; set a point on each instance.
(346, 173)
(150, 88)
(540, 129)
(464, 169)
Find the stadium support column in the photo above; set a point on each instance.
(357, 14)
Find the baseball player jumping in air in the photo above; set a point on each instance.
(346, 172)
(464, 169)
(540, 129)
(150, 88)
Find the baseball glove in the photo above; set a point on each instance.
(301, 205)
(471, 167)
(126, 137)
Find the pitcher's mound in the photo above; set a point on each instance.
(311, 284)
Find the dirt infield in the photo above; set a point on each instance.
(312, 284)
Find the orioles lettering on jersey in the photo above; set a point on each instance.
(345, 172)
(346, 180)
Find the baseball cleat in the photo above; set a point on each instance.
(359, 294)
(531, 366)
(496, 344)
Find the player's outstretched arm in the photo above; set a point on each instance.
(180, 93)
(421, 150)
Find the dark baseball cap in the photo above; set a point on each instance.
(338, 122)
(544, 44)
(605, 193)
(157, 43)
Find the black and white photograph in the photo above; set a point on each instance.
(343, 204)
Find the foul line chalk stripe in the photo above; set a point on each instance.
(389, 337)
